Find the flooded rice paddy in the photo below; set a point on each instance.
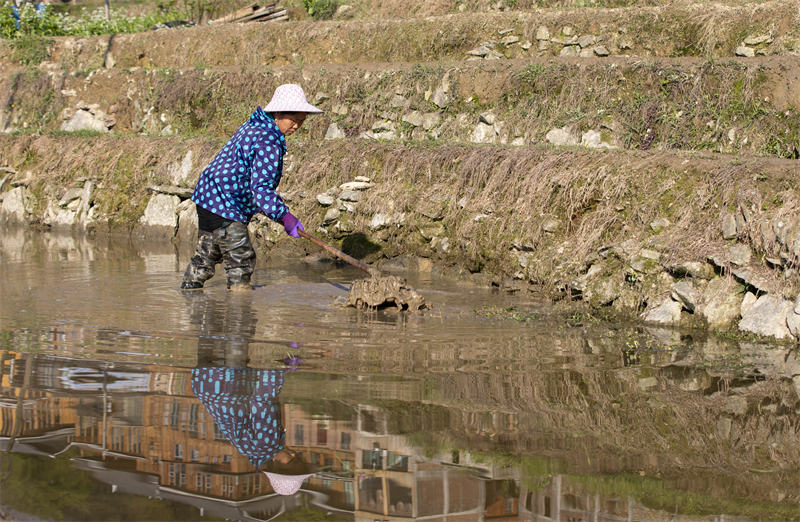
(474, 410)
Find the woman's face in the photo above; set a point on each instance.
(289, 122)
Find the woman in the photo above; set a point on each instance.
(241, 181)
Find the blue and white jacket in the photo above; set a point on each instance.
(241, 180)
(244, 405)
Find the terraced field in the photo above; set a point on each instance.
(605, 154)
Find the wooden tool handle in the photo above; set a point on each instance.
(338, 253)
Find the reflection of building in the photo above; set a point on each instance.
(149, 421)
(141, 430)
(328, 445)
(26, 410)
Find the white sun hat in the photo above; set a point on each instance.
(285, 484)
(290, 97)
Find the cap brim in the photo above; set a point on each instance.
(298, 107)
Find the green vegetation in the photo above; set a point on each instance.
(320, 9)
(52, 489)
(30, 49)
(49, 22)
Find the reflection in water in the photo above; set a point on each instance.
(149, 404)
(368, 460)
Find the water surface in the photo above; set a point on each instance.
(455, 414)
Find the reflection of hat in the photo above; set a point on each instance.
(289, 98)
(285, 484)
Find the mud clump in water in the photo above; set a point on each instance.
(383, 292)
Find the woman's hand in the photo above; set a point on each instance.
(291, 225)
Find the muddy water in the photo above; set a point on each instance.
(460, 413)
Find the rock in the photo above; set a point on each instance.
(334, 132)
(603, 291)
(343, 10)
(88, 120)
(509, 40)
(568, 51)
(15, 204)
(71, 195)
(685, 293)
(644, 265)
(527, 45)
(660, 224)
(341, 109)
(728, 225)
(748, 277)
(325, 200)
(543, 45)
(768, 317)
(586, 53)
(413, 118)
(797, 304)
(586, 41)
(57, 216)
(172, 190)
(668, 312)
(331, 216)
(721, 303)
(442, 244)
(568, 30)
(379, 221)
(398, 101)
(161, 211)
(696, 269)
(483, 133)
(757, 40)
(384, 124)
(594, 140)
(793, 324)
(479, 51)
(724, 425)
(561, 137)
(601, 50)
(187, 221)
(440, 98)
(542, 33)
(747, 303)
(355, 185)
(739, 255)
(488, 118)
(182, 173)
(352, 196)
(430, 120)
(745, 51)
(735, 405)
(431, 231)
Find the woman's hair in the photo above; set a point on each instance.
(296, 466)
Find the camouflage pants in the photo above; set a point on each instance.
(230, 244)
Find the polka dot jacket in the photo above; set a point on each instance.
(241, 180)
(244, 405)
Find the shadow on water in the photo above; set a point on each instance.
(123, 398)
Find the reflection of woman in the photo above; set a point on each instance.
(244, 405)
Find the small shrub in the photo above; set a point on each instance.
(30, 50)
(321, 9)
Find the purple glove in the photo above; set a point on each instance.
(291, 224)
